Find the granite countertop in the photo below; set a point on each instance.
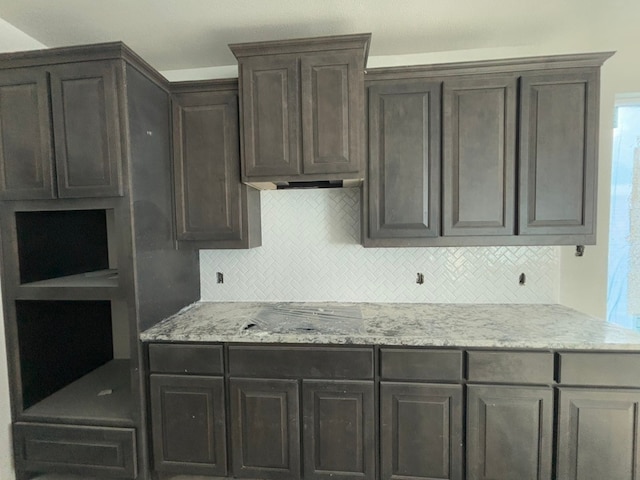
(456, 325)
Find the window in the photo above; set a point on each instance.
(623, 286)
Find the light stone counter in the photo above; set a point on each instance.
(460, 325)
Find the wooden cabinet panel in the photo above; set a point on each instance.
(558, 141)
(599, 369)
(188, 424)
(420, 364)
(332, 94)
(421, 431)
(265, 430)
(598, 434)
(186, 359)
(510, 367)
(404, 160)
(509, 433)
(479, 151)
(84, 99)
(79, 450)
(212, 207)
(26, 150)
(271, 116)
(339, 429)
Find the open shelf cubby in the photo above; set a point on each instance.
(67, 363)
(66, 248)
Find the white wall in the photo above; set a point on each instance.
(11, 39)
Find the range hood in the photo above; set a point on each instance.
(318, 184)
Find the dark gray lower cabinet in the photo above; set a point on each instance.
(509, 433)
(420, 431)
(339, 429)
(598, 434)
(265, 428)
(188, 424)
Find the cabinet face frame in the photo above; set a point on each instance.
(26, 158)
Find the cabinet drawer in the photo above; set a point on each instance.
(511, 367)
(197, 359)
(610, 369)
(431, 365)
(296, 362)
(99, 451)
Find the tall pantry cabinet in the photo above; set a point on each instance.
(88, 253)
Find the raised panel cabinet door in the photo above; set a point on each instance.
(420, 431)
(509, 432)
(270, 116)
(207, 166)
(479, 156)
(332, 87)
(188, 424)
(558, 158)
(26, 149)
(404, 160)
(86, 125)
(339, 429)
(265, 428)
(598, 434)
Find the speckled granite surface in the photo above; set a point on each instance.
(461, 325)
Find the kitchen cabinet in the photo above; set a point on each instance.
(88, 254)
(420, 415)
(61, 131)
(525, 125)
(302, 104)
(213, 208)
(404, 160)
(509, 427)
(330, 389)
(598, 419)
(187, 398)
(558, 152)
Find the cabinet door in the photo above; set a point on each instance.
(332, 89)
(479, 158)
(265, 430)
(26, 151)
(558, 141)
(339, 429)
(188, 424)
(598, 434)
(421, 431)
(270, 116)
(404, 160)
(84, 101)
(211, 202)
(509, 432)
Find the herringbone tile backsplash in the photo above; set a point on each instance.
(311, 252)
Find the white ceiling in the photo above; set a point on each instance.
(181, 34)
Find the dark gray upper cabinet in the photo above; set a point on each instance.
(61, 122)
(558, 158)
(213, 208)
(302, 105)
(404, 161)
(516, 167)
(26, 153)
(479, 155)
(598, 434)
